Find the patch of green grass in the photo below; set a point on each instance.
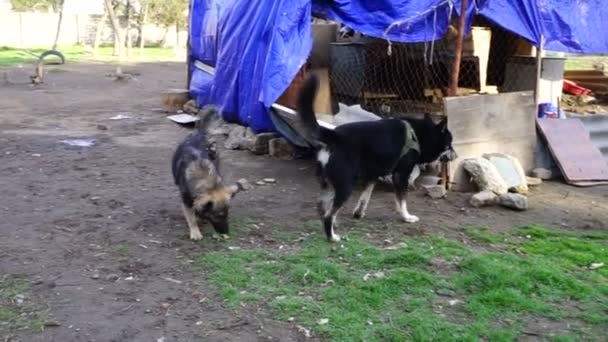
(584, 62)
(77, 53)
(122, 250)
(16, 310)
(484, 235)
(376, 294)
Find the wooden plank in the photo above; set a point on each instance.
(578, 159)
(322, 103)
(576, 73)
(482, 118)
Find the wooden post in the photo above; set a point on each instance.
(455, 75)
(453, 86)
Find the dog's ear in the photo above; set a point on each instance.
(234, 189)
(443, 125)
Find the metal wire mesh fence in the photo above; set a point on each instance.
(413, 78)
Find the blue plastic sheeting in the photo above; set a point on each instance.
(256, 50)
(415, 21)
(575, 26)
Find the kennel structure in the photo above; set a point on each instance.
(243, 56)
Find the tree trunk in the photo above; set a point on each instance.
(99, 31)
(128, 33)
(177, 47)
(142, 24)
(58, 25)
(119, 45)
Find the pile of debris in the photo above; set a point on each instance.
(237, 136)
(501, 180)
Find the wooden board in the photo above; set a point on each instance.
(481, 124)
(322, 103)
(578, 159)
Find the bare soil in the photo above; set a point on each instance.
(99, 232)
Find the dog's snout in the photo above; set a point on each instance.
(220, 226)
(448, 155)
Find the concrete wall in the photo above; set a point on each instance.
(504, 123)
(39, 29)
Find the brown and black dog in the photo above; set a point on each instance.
(196, 173)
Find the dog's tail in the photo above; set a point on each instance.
(313, 133)
(207, 115)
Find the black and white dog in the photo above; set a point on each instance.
(368, 150)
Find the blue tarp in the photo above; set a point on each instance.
(576, 26)
(257, 47)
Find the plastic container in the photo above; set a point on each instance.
(574, 89)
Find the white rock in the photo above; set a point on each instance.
(510, 170)
(485, 175)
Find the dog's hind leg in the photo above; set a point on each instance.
(329, 204)
(195, 232)
(364, 200)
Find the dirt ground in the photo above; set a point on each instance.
(99, 233)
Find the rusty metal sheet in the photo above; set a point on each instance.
(578, 158)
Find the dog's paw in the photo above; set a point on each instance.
(358, 214)
(196, 236)
(335, 238)
(411, 218)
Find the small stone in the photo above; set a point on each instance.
(247, 140)
(259, 144)
(484, 198)
(244, 184)
(323, 321)
(542, 173)
(514, 201)
(260, 183)
(446, 293)
(190, 107)
(269, 180)
(235, 138)
(19, 299)
(112, 277)
(533, 181)
(454, 302)
(95, 276)
(435, 191)
(596, 265)
(280, 149)
(102, 127)
(428, 180)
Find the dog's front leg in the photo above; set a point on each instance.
(400, 184)
(195, 232)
